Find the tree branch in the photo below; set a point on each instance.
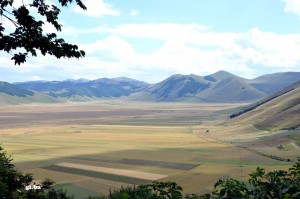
(11, 20)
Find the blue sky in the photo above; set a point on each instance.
(150, 40)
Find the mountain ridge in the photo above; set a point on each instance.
(103, 87)
(219, 87)
(265, 84)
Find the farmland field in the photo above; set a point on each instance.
(97, 146)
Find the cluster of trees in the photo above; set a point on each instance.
(275, 184)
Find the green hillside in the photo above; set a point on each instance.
(278, 111)
(6, 99)
(272, 83)
(174, 88)
(11, 94)
(231, 89)
(220, 75)
(86, 89)
(218, 87)
(12, 90)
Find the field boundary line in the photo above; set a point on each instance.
(121, 172)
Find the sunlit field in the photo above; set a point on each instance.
(90, 148)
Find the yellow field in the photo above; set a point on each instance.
(186, 143)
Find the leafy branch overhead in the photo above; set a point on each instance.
(28, 36)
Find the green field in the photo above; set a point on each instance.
(188, 143)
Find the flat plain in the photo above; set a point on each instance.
(92, 147)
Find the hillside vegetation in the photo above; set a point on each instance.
(12, 90)
(100, 88)
(11, 94)
(272, 83)
(220, 87)
(278, 111)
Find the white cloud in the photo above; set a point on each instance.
(36, 78)
(184, 49)
(193, 49)
(112, 48)
(270, 49)
(97, 8)
(134, 12)
(292, 6)
(163, 31)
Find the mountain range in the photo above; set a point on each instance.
(218, 87)
(85, 89)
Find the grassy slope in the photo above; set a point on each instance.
(231, 89)
(192, 88)
(13, 90)
(86, 90)
(6, 99)
(174, 88)
(267, 84)
(281, 112)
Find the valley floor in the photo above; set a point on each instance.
(90, 148)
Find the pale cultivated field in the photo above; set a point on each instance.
(121, 172)
(186, 143)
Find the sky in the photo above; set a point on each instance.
(150, 40)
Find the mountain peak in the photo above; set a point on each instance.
(217, 76)
(126, 79)
(176, 76)
(222, 75)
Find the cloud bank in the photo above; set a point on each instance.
(184, 49)
(292, 6)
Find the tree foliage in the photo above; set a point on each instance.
(28, 35)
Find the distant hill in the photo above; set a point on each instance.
(220, 75)
(11, 94)
(272, 83)
(278, 111)
(218, 87)
(10, 89)
(231, 89)
(174, 88)
(78, 89)
(221, 87)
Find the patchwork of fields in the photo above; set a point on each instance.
(90, 148)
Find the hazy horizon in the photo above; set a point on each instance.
(85, 79)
